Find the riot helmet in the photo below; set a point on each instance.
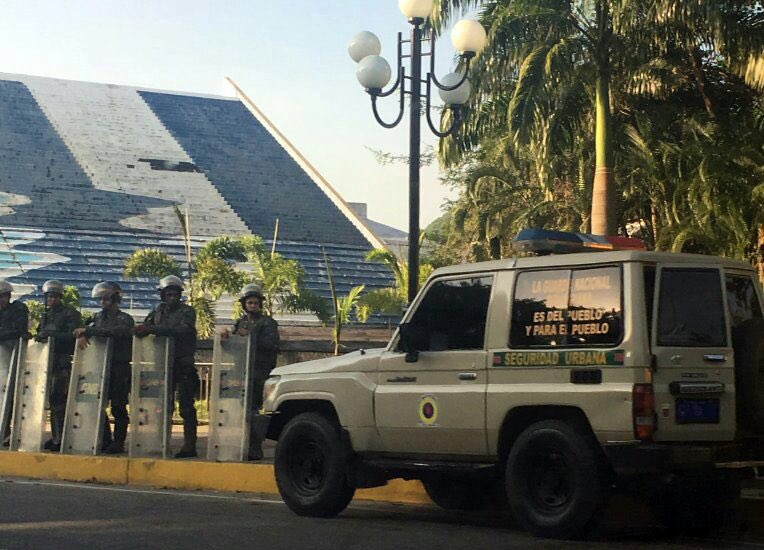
(108, 289)
(251, 290)
(53, 287)
(171, 281)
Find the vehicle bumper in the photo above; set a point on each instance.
(638, 458)
(650, 458)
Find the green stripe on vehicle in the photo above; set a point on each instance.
(571, 358)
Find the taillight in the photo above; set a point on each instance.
(643, 411)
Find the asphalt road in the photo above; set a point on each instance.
(37, 514)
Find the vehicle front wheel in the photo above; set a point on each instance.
(311, 467)
(553, 480)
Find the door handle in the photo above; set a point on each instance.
(467, 376)
(715, 357)
(402, 379)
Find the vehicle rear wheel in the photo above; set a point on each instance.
(311, 467)
(554, 480)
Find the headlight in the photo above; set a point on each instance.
(269, 387)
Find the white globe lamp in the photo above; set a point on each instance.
(373, 72)
(364, 44)
(460, 95)
(468, 36)
(416, 9)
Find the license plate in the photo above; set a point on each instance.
(697, 411)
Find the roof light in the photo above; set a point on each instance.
(545, 241)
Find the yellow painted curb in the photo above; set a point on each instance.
(63, 467)
(178, 474)
(214, 476)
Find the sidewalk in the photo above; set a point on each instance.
(176, 441)
(269, 447)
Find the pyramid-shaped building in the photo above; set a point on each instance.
(91, 172)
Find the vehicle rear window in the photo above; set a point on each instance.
(742, 300)
(690, 308)
(567, 308)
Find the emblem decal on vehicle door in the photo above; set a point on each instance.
(428, 411)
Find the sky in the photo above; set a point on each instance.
(289, 56)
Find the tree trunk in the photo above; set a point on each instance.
(760, 252)
(494, 244)
(603, 190)
(700, 79)
(337, 336)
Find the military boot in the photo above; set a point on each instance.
(255, 442)
(56, 429)
(188, 450)
(120, 434)
(106, 439)
(257, 430)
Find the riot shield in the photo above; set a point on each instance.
(88, 391)
(151, 397)
(31, 397)
(230, 398)
(8, 362)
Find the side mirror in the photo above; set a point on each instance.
(406, 343)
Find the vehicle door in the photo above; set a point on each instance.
(436, 404)
(694, 376)
(747, 328)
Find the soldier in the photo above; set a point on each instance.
(58, 322)
(14, 323)
(111, 322)
(264, 331)
(175, 319)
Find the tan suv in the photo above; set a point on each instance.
(547, 382)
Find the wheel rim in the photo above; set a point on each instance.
(549, 479)
(307, 468)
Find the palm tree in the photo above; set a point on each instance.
(590, 45)
(343, 306)
(393, 299)
(213, 274)
(216, 269)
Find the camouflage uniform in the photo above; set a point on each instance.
(179, 322)
(59, 323)
(264, 332)
(118, 326)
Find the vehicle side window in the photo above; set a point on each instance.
(742, 300)
(452, 315)
(567, 308)
(649, 280)
(690, 308)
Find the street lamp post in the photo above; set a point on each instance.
(374, 73)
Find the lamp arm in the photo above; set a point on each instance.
(455, 121)
(455, 86)
(399, 72)
(468, 57)
(374, 96)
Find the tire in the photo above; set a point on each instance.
(697, 503)
(554, 481)
(460, 493)
(311, 467)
